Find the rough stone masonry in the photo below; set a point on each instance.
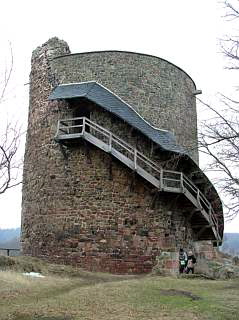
(80, 206)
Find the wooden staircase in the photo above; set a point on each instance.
(165, 180)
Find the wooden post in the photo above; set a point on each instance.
(198, 199)
(217, 229)
(181, 182)
(210, 214)
(110, 142)
(135, 159)
(69, 124)
(83, 126)
(202, 230)
(58, 128)
(189, 217)
(161, 179)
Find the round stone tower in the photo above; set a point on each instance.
(162, 93)
(88, 202)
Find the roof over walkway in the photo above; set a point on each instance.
(109, 101)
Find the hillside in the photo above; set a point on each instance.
(230, 244)
(67, 293)
(10, 238)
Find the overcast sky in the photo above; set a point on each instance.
(183, 32)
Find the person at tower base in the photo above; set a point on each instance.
(191, 262)
(182, 260)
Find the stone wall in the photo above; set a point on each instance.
(205, 250)
(80, 205)
(161, 92)
(94, 213)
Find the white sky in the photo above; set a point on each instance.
(183, 32)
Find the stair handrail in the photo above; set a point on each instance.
(185, 182)
(108, 134)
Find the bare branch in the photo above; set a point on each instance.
(7, 75)
(219, 140)
(231, 13)
(10, 135)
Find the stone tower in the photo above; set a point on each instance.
(103, 188)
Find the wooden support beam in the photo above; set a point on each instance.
(189, 217)
(64, 151)
(164, 180)
(202, 230)
(132, 183)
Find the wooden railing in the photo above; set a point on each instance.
(8, 251)
(164, 180)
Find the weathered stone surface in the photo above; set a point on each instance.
(80, 205)
(158, 90)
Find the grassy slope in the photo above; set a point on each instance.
(92, 296)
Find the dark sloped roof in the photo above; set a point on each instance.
(112, 103)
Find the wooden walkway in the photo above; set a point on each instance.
(164, 180)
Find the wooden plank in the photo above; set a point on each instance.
(148, 177)
(186, 186)
(195, 202)
(202, 230)
(97, 142)
(69, 136)
(189, 217)
(172, 189)
(129, 163)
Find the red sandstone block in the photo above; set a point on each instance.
(133, 256)
(171, 264)
(209, 255)
(153, 239)
(144, 258)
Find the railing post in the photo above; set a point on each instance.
(161, 179)
(58, 128)
(198, 199)
(216, 226)
(210, 214)
(135, 159)
(69, 126)
(181, 182)
(83, 126)
(110, 142)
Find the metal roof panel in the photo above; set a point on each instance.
(114, 104)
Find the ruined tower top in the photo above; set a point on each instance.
(52, 48)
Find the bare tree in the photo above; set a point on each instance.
(230, 44)
(9, 137)
(219, 140)
(219, 137)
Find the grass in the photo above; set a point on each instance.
(67, 293)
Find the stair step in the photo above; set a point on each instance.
(164, 180)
